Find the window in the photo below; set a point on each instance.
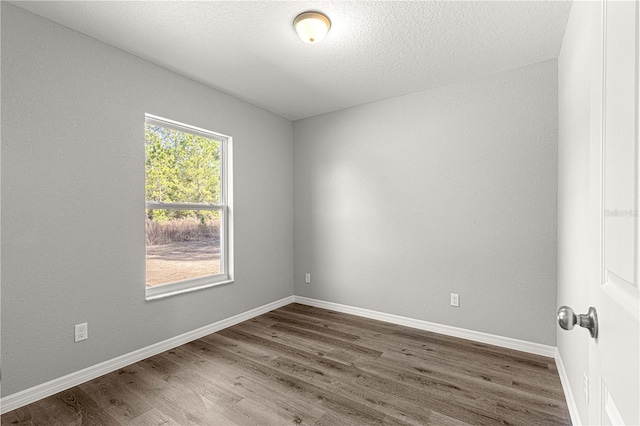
(187, 211)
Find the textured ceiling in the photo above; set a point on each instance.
(375, 50)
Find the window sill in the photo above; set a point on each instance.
(155, 293)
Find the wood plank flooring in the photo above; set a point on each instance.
(305, 365)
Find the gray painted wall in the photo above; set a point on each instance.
(400, 202)
(574, 109)
(73, 244)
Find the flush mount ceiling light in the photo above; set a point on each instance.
(311, 26)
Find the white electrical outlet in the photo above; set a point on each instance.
(307, 278)
(455, 299)
(82, 332)
(585, 384)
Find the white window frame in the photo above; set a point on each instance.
(224, 207)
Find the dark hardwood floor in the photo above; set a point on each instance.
(305, 365)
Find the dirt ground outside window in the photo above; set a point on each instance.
(179, 261)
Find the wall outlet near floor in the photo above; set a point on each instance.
(307, 278)
(585, 384)
(455, 299)
(82, 332)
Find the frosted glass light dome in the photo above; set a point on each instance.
(312, 26)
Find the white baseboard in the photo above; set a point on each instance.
(491, 339)
(568, 394)
(27, 396)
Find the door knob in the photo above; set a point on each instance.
(567, 319)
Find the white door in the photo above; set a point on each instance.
(614, 370)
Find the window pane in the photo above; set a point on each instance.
(182, 245)
(181, 167)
